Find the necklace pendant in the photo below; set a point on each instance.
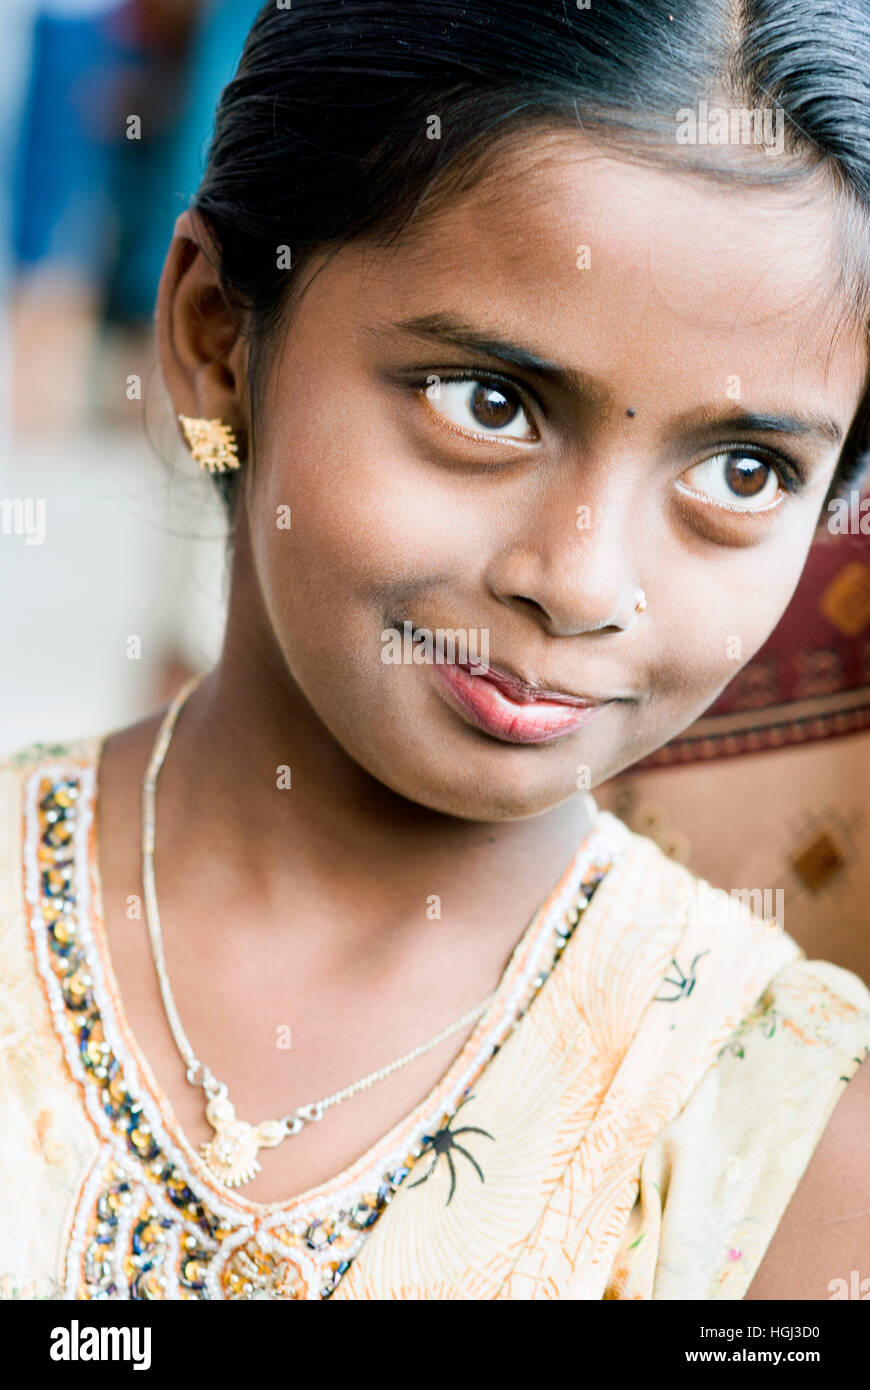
(232, 1154)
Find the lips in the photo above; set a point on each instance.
(521, 692)
(511, 710)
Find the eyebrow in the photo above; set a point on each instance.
(809, 426)
(453, 331)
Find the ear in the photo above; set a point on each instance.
(202, 353)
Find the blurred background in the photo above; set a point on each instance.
(112, 545)
(106, 110)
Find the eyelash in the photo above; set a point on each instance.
(789, 470)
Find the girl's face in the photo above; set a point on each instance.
(630, 386)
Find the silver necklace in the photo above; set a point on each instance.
(231, 1155)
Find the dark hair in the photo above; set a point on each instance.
(325, 132)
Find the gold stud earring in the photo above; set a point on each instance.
(639, 600)
(212, 444)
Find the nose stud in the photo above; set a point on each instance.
(639, 600)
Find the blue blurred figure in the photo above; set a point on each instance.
(115, 119)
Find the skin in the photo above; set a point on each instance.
(307, 907)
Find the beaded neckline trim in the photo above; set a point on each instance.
(149, 1223)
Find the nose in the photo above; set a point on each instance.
(575, 570)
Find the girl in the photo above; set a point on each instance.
(525, 395)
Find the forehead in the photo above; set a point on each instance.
(623, 265)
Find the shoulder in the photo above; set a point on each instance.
(26, 776)
(775, 1119)
(757, 1180)
(18, 767)
(30, 821)
(821, 1247)
(46, 1139)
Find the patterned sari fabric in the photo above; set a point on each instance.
(628, 1120)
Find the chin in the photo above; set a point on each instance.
(460, 791)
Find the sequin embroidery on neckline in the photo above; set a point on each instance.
(149, 1222)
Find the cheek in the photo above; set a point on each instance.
(721, 607)
(368, 527)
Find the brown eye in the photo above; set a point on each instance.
(734, 480)
(486, 408)
(492, 407)
(746, 477)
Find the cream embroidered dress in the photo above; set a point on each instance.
(628, 1120)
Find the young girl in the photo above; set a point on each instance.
(525, 394)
